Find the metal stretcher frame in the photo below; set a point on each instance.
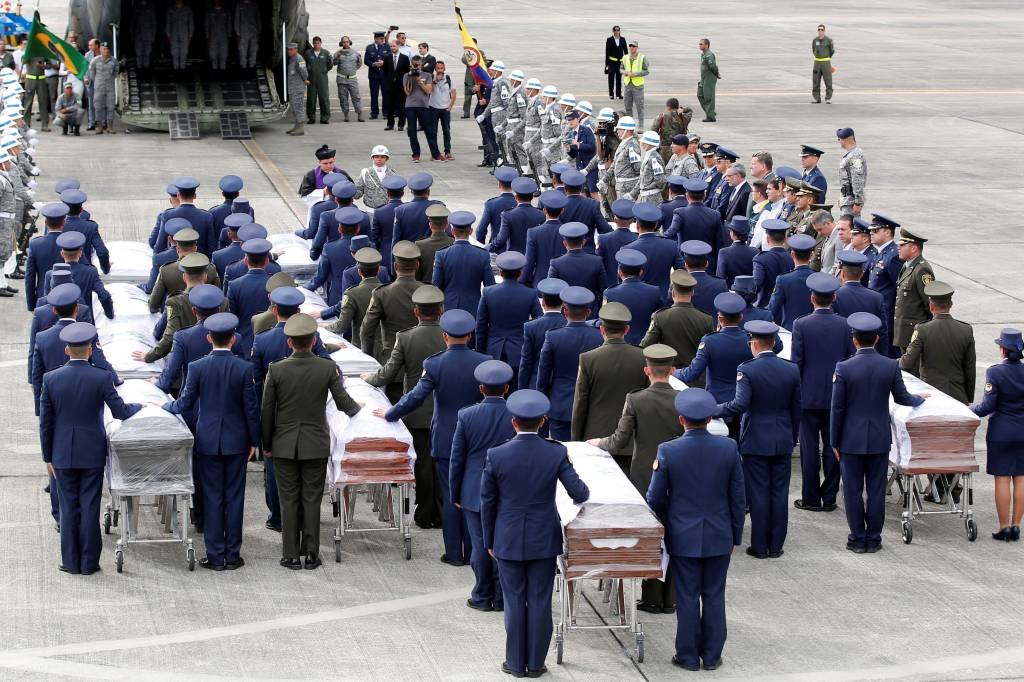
(173, 510)
(912, 498)
(392, 510)
(613, 584)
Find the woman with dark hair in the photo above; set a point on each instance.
(1004, 400)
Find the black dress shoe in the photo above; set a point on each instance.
(206, 563)
(293, 564)
(708, 120)
(233, 565)
(713, 666)
(90, 571)
(509, 671)
(776, 555)
(647, 608)
(401, 128)
(312, 562)
(829, 507)
(872, 549)
(444, 560)
(10, 289)
(498, 608)
(799, 504)
(389, 128)
(271, 526)
(68, 570)
(537, 673)
(856, 549)
(757, 555)
(685, 666)
(6, 294)
(479, 607)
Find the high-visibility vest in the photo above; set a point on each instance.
(630, 64)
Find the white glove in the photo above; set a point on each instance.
(33, 142)
(37, 205)
(32, 184)
(480, 118)
(30, 193)
(601, 166)
(31, 132)
(34, 171)
(508, 135)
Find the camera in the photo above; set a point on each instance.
(392, 28)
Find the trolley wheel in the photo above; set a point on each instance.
(337, 551)
(119, 560)
(190, 555)
(972, 529)
(639, 648)
(335, 508)
(106, 523)
(408, 548)
(559, 645)
(908, 533)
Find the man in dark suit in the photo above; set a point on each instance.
(295, 433)
(480, 427)
(220, 387)
(768, 399)
(820, 340)
(396, 65)
(614, 50)
(697, 492)
(522, 529)
(861, 434)
(74, 445)
(737, 192)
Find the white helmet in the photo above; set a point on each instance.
(550, 91)
(583, 106)
(380, 150)
(534, 84)
(4, 157)
(498, 66)
(651, 138)
(607, 115)
(568, 100)
(517, 75)
(626, 123)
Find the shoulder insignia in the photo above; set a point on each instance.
(834, 377)
(567, 457)
(927, 278)
(552, 440)
(988, 387)
(739, 376)
(655, 465)
(700, 345)
(857, 163)
(914, 336)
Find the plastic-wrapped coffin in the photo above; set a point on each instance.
(130, 330)
(614, 533)
(293, 255)
(129, 262)
(935, 437)
(365, 448)
(150, 453)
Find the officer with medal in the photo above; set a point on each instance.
(911, 306)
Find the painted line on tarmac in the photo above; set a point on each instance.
(277, 179)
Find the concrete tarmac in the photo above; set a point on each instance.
(934, 93)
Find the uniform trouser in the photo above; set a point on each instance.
(769, 499)
(103, 101)
(416, 119)
(814, 429)
(467, 100)
(270, 493)
(526, 587)
(224, 502)
(317, 92)
(300, 483)
(298, 101)
(348, 89)
(218, 52)
(453, 528)
(52, 86)
(658, 593)
(8, 229)
(614, 81)
(54, 500)
(706, 97)
(198, 503)
(537, 159)
(821, 70)
(561, 429)
(90, 100)
(490, 144)
(700, 611)
(487, 589)
(80, 491)
(428, 491)
(376, 86)
(634, 97)
(865, 520)
(143, 51)
(37, 87)
(179, 52)
(248, 46)
(394, 104)
(442, 118)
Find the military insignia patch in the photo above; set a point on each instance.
(927, 278)
(633, 156)
(655, 465)
(857, 163)
(834, 377)
(568, 457)
(739, 376)
(988, 388)
(913, 337)
(700, 345)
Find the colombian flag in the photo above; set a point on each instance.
(474, 58)
(42, 44)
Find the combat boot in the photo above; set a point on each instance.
(346, 117)
(78, 131)
(299, 129)
(359, 116)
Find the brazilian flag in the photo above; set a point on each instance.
(42, 44)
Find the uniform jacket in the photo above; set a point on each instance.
(200, 220)
(504, 310)
(240, 267)
(697, 221)
(708, 286)
(1004, 400)
(648, 419)
(88, 280)
(294, 394)
(768, 398)
(49, 355)
(43, 252)
(337, 256)
(222, 258)
(459, 271)
(854, 297)
(543, 244)
(861, 387)
(188, 345)
(248, 296)
(718, 356)
(517, 497)
(734, 261)
(941, 352)
(768, 265)
(93, 240)
(411, 222)
(272, 345)
(697, 492)
(350, 279)
(382, 231)
(608, 246)
(514, 225)
(885, 272)
(221, 387)
(429, 246)
(606, 375)
(494, 210)
(169, 281)
(911, 304)
(581, 209)
(71, 431)
(369, 187)
(662, 257)
(43, 318)
(817, 178)
(327, 232)
(390, 312)
(791, 298)
(534, 333)
(405, 364)
(448, 376)
(558, 366)
(581, 269)
(642, 299)
(681, 326)
(820, 341)
(479, 428)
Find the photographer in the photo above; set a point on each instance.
(418, 86)
(442, 99)
(607, 143)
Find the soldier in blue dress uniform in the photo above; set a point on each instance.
(504, 310)
(43, 252)
(696, 256)
(737, 259)
(509, 229)
(610, 244)
(479, 428)
(549, 292)
(582, 209)
(885, 273)
(642, 299)
(382, 228)
(411, 217)
(768, 265)
(791, 298)
(697, 492)
(696, 221)
(662, 254)
(576, 266)
(495, 207)
(542, 242)
(75, 221)
(809, 157)
(854, 297)
(463, 268)
(522, 529)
